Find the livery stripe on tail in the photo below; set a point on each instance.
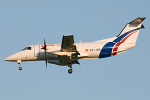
(122, 41)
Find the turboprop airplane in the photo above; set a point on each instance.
(68, 53)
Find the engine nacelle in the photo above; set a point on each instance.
(63, 62)
(58, 62)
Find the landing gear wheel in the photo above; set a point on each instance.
(70, 71)
(20, 68)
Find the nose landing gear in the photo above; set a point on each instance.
(20, 68)
(19, 62)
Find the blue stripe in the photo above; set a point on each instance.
(106, 50)
(124, 35)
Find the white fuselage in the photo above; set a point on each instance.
(68, 52)
(87, 50)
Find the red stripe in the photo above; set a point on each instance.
(116, 48)
(119, 43)
(123, 40)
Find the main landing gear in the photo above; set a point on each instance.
(70, 70)
(19, 62)
(70, 62)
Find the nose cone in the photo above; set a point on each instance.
(17, 56)
(14, 57)
(10, 58)
(7, 59)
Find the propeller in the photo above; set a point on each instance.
(45, 51)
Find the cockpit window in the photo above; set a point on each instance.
(27, 48)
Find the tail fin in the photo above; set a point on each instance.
(130, 33)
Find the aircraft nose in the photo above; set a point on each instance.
(16, 56)
(7, 59)
(10, 58)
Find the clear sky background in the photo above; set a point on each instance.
(27, 22)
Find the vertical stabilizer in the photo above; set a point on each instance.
(130, 33)
(125, 40)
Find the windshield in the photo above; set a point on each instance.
(27, 48)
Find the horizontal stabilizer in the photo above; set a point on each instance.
(142, 26)
(138, 20)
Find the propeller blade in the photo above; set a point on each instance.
(45, 51)
(46, 63)
(45, 47)
(44, 43)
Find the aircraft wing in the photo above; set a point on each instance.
(68, 48)
(68, 44)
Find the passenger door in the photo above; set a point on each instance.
(36, 50)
